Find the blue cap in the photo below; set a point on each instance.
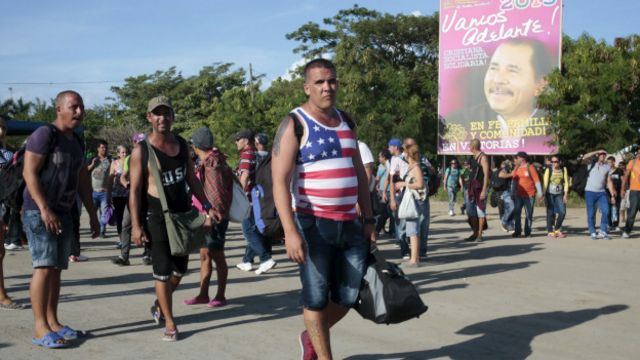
(395, 142)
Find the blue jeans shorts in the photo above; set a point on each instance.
(335, 261)
(47, 249)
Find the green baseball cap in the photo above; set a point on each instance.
(159, 101)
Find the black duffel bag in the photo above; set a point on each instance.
(386, 295)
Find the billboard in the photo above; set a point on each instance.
(493, 57)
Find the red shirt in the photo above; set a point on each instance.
(247, 164)
(526, 179)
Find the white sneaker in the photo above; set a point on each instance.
(266, 266)
(245, 266)
(13, 247)
(82, 258)
(451, 213)
(625, 235)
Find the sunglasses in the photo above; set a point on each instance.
(554, 162)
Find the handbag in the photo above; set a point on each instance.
(181, 226)
(408, 208)
(386, 295)
(240, 204)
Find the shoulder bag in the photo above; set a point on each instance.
(181, 226)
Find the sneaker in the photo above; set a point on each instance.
(146, 260)
(515, 235)
(406, 257)
(245, 266)
(120, 261)
(605, 236)
(13, 247)
(593, 236)
(504, 228)
(625, 235)
(80, 258)
(617, 229)
(479, 239)
(471, 238)
(266, 266)
(308, 352)
(552, 234)
(451, 213)
(119, 245)
(560, 234)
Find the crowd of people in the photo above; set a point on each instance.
(331, 200)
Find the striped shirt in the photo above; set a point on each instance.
(326, 184)
(247, 164)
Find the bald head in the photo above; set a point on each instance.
(475, 145)
(61, 97)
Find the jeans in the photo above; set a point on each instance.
(634, 205)
(125, 237)
(119, 204)
(527, 203)
(600, 198)
(335, 261)
(425, 222)
(401, 231)
(452, 192)
(556, 211)
(614, 213)
(100, 202)
(255, 242)
(507, 209)
(15, 228)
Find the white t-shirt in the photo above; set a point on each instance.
(398, 166)
(365, 153)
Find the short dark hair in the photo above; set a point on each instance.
(611, 158)
(541, 60)
(62, 94)
(385, 153)
(319, 63)
(102, 142)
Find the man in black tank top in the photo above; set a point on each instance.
(477, 191)
(177, 172)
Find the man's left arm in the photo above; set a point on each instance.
(85, 192)
(485, 179)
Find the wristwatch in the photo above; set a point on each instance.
(206, 206)
(369, 221)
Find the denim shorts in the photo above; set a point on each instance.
(214, 240)
(47, 249)
(473, 210)
(335, 261)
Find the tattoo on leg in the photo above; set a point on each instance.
(281, 129)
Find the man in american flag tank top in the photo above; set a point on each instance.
(318, 178)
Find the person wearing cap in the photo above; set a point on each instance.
(322, 175)
(398, 168)
(595, 194)
(101, 182)
(125, 235)
(528, 187)
(261, 140)
(178, 182)
(616, 174)
(631, 191)
(256, 243)
(217, 180)
(555, 187)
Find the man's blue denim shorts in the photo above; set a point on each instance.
(335, 261)
(47, 249)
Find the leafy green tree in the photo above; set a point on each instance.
(594, 100)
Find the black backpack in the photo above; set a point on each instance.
(579, 179)
(497, 183)
(11, 173)
(264, 209)
(386, 295)
(432, 182)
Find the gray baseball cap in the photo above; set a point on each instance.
(202, 138)
(159, 101)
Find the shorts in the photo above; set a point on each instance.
(473, 210)
(47, 249)
(214, 241)
(335, 261)
(163, 263)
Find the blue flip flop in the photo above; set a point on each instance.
(68, 333)
(51, 341)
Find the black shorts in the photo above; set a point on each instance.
(164, 264)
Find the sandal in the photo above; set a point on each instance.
(50, 341)
(11, 306)
(196, 300)
(217, 303)
(68, 333)
(170, 335)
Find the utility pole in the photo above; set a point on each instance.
(251, 81)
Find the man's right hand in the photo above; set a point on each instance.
(295, 247)
(51, 221)
(138, 236)
(393, 205)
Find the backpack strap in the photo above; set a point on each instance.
(347, 117)
(297, 126)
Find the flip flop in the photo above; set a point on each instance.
(51, 341)
(170, 335)
(11, 306)
(217, 303)
(68, 333)
(196, 300)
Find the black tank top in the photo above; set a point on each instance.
(174, 177)
(476, 169)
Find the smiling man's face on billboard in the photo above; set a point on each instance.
(510, 84)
